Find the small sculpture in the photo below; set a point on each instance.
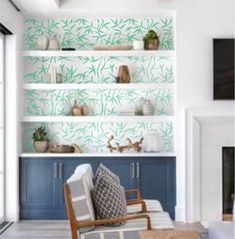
(121, 148)
(136, 145)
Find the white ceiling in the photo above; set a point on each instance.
(95, 8)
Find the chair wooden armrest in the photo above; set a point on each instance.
(100, 222)
(75, 224)
(138, 201)
(134, 190)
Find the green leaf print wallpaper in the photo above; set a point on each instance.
(83, 34)
(100, 69)
(92, 137)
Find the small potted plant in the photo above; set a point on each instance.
(151, 40)
(41, 143)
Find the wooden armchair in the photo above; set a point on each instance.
(75, 224)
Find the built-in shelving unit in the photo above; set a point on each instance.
(91, 73)
(115, 118)
(74, 86)
(96, 53)
(141, 154)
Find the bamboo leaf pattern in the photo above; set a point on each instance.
(85, 33)
(99, 69)
(92, 137)
(101, 102)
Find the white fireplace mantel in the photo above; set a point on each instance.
(195, 118)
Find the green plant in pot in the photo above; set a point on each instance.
(151, 40)
(41, 142)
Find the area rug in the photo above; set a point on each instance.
(169, 234)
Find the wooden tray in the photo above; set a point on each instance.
(113, 47)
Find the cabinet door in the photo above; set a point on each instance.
(38, 188)
(124, 168)
(65, 169)
(156, 180)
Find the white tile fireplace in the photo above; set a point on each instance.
(209, 129)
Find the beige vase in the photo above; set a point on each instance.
(41, 146)
(76, 110)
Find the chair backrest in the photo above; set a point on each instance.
(80, 185)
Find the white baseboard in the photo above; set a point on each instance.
(180, 214)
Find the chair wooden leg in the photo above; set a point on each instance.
(74, 231)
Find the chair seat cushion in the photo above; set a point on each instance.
(159, 220)
(151, 205)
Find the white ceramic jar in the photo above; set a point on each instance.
(138, 45)
(139, 106)
(148, 108)
(42, 42)
(152, 141)
(54, 43)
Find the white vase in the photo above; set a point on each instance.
(148, 108)
(152, 141)
(54, 43)
(139, 105)
(42, 42)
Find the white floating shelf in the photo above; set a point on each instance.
(116, 118)
(74, 86)
(141, 154)
(38, 53)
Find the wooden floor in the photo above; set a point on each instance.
(60, 230)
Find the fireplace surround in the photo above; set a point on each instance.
(208, 129)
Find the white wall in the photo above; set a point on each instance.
(10, 18)
(197, 23)
(213, 137)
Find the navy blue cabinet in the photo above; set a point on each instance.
(38, 188)
(156, 179)
(41, 186)
(42, 179)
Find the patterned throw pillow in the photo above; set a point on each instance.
(109, 199)
(104, 171)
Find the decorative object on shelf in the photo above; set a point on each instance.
(58, 78)
(61, 148)
(121, 148)
(126, 113)
(151, 40)
(123, 74)
(41, 143)
(54, 44)
(139, 104)
(136, 145)
(152, 141)
(76, 110)
(53, 77)
(77, 148)
(85, 110)
(42, 42)
(148, 108)
(68, 49)
(113, 47)
(138, 45)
